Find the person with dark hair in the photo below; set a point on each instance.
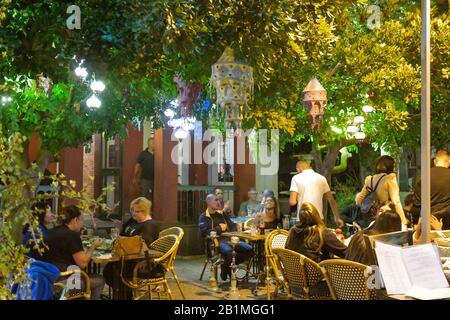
(311, 238)
(270, 214)
(309, 186)
(144, 171)
(66, 249)
(45, 217)
(225, 206)
(387, 189)
(440, 190)
(385, 222)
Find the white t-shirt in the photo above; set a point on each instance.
(310, 187)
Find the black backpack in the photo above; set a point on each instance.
(370, 205)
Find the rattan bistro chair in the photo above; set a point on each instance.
(348, 280)
(303, 275)
(178, 232)
(168, 246)
(74, 294)
(274, 240)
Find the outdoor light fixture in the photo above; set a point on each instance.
(352, 129)
(187, 96)
(97, 86)
(367, 109)
(233, 81)
(6, 100)
(93, 102)
(169, 113)
(81, 72)
(360, 135)
(314, 100)
(336, 129)
(358, 119)
(180, 133)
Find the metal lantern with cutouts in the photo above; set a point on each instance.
(314, 100)
(233, 81)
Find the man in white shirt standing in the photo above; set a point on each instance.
(309, 186)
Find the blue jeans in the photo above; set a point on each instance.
(244, 252)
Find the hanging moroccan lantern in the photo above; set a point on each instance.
(233, 81)
(43, 83)
(314, 100)
(187, 95)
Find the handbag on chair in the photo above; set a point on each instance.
(124, 246)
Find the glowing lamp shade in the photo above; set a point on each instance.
(93, 102)
(367, 108)
(169, 113)
(360, 135)
(81, 72)
(352, 129)
(97, 86)
(181, 133)
(359, 119)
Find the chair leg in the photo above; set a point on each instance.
(169, 293)
(204, 267)
(268, 279)
(178, 283)
(149, 292)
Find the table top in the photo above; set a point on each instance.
(107, 257)
(245, 235)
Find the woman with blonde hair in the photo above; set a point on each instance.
(311, 237)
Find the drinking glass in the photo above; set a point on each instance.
(114, 233)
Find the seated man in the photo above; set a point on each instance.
(248, 208)
(213, 219)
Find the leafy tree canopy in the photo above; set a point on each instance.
(137, 47)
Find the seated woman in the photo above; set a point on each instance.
(311, 238)
(45, 217)
(270, 214)
(140, 224)
(66, 249)
(387, 221)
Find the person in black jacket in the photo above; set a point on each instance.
(214, 219)
(311, 238)
(440, 190)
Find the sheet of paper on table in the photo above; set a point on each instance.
(104, 256)
(429, 294)
(402, 268)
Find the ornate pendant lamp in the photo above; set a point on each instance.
(314, 100)
(233, 81)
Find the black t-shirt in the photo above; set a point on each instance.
(440, 191)
(62, 244)
(147, 161)
(148, 230)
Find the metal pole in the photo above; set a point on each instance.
(425, 123)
